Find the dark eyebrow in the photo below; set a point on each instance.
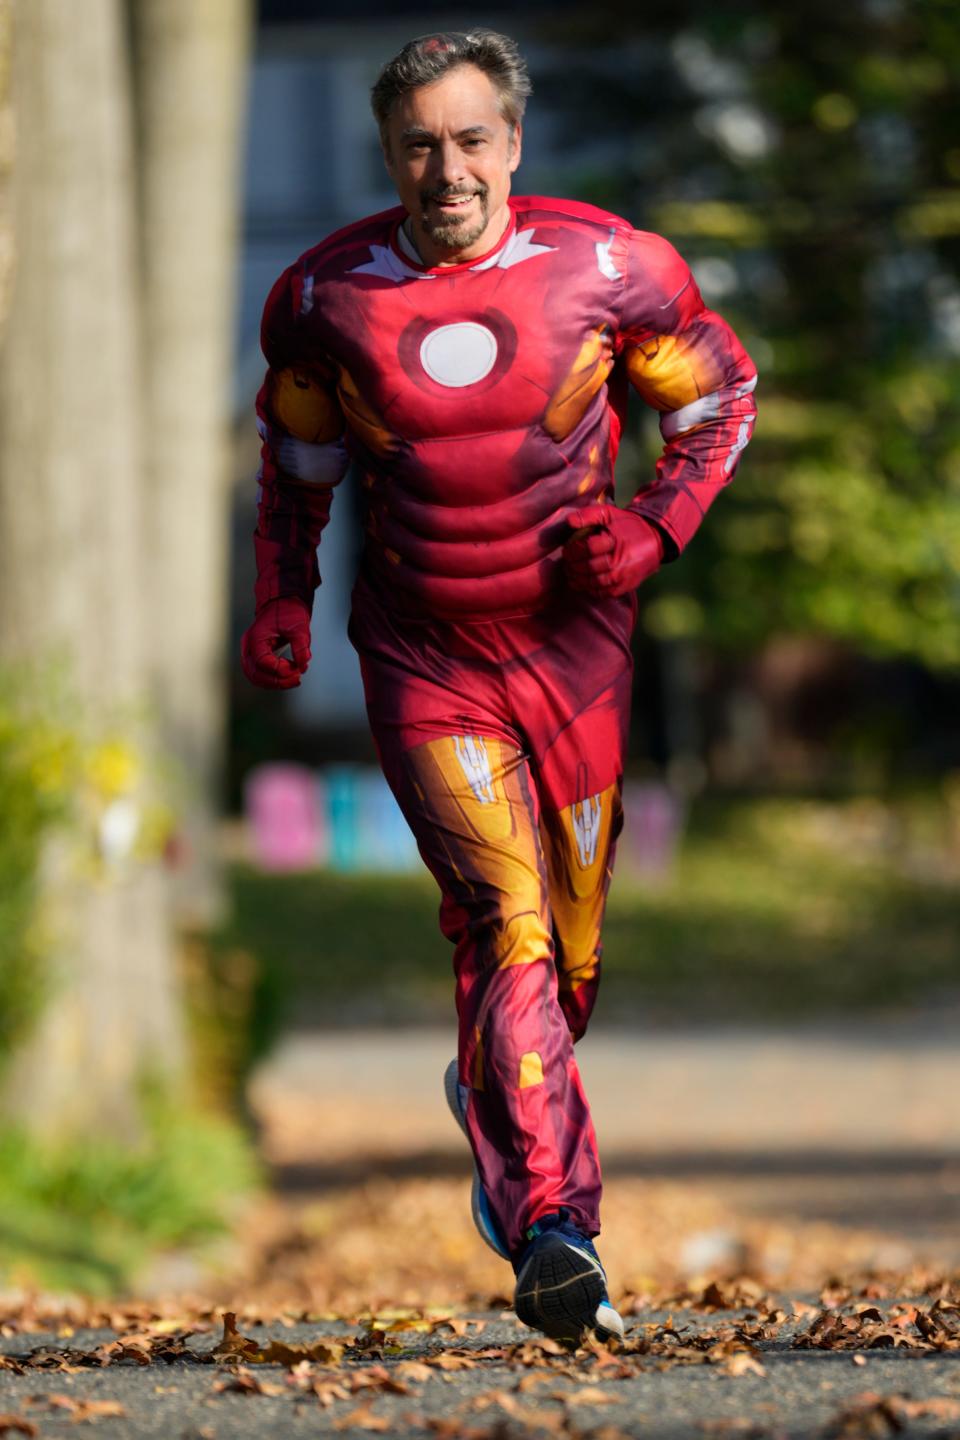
(416, 132)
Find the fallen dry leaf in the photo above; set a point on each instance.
(378, 1377)
(460, 1326)
(363, 1418)
(372, 1342)
(535, 1379)
(453, 1428)
(244, 1382)
(82, 1411)
(447, 1360)
(325, 1351)
(732, 1425)
(413, 1370)
(325, 1390)
(869, 1415)
(587, 1395)
(501, 1398)
(64, 1361)
(940, 1407)
(742, 1362)
(533, 1352)
(232, 1345)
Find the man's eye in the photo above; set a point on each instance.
(472, 144)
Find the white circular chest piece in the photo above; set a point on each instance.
(459, 355)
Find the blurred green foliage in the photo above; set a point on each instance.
(90, 1216)
(233, 1011)
(805, 160)
(775, 908)
(62, 769)
(36, 754)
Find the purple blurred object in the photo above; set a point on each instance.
(287, 826)
(653, 821)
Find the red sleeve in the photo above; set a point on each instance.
(687, 363)
(303, 456)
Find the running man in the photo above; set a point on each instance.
(471, 353)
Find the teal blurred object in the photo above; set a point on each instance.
(366, 828)
(340, 784)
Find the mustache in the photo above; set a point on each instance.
(448, 194)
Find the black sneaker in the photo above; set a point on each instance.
(561, 1285)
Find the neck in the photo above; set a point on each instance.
(435, 257)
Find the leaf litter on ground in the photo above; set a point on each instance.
(726, 1322)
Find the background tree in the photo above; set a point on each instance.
(70, 514)
(190, 67)
(113, 384)
(805, 160)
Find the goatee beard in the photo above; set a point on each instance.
(452, 233)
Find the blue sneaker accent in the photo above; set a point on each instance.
(458, 1097)
(561, 1285)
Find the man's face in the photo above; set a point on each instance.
(451, 154)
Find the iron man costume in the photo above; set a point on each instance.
(484, 401)
(482, 404)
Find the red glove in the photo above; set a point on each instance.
(279, 622)
(610, 550)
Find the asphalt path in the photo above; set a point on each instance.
(853, 1124)
(850, 1126)
(853, 1087)
(782, 1392)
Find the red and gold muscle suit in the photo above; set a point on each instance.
(482, 404)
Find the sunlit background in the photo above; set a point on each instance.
(220, 969)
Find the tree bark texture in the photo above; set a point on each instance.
(6, 155)
(73, 584)
(191, 67)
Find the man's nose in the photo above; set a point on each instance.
(450, 164)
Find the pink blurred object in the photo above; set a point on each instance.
(653, 821)
(287, 827)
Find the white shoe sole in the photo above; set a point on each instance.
(451, 1089)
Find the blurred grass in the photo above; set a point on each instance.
(775, 908)
(89, 1216)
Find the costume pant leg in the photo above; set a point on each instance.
(574, 694)
(579, 843)
(471, 804)
(469, 797)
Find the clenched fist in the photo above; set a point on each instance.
(285, 621)
(610, 551)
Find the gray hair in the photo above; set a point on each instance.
(426, 59)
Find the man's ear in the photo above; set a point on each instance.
(516, 145)
(387, 160)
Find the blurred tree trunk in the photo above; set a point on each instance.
(190, 68)
(6, 155)
(71, 585)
